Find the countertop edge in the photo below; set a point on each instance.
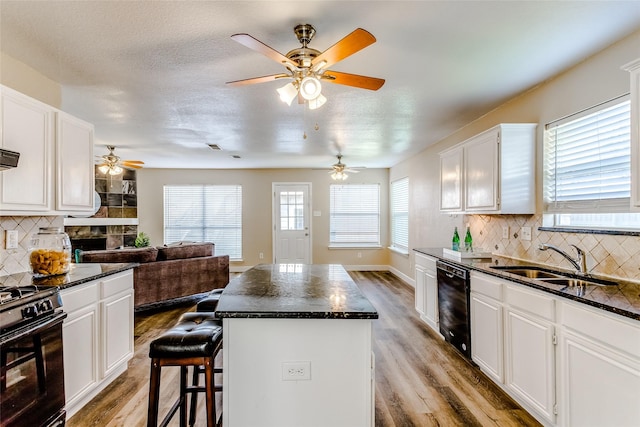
(433, 252)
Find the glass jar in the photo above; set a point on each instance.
(50, 252)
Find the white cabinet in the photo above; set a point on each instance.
(497, 174)
(530, 349)
(74, 151)
(600, 366)
(56, 159)
(487, 325)
(27, 129)
(634, 69)
(451, 180)
(97, 336)
(426, 292)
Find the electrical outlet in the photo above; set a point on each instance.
(261, 256)
(11, 239)
(359, 254)
(505, 232)
(296, 371)
(525, 232)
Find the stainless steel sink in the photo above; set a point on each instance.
(553, 277)
(569, 281)
(530, 272)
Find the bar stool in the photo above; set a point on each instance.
(209, 303)
(194, 341)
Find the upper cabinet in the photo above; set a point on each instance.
(55, 172)
(634, 70)
(493, 172)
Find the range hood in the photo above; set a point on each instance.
(8, 159)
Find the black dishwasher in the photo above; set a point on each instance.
(454, 307)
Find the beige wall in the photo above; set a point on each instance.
(256, 209)
(595, 80)
(25, 79)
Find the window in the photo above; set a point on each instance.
(587, 169)
(400, 215)
(354, 212)
(206, 213)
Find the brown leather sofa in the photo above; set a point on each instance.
(168, 274)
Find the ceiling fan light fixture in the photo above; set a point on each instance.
(310, 88)
(103, 168)
(288, 93)
(115, 170)
(317, 103)
(339, 176)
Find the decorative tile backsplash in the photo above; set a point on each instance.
(17, 260)
(616, 256)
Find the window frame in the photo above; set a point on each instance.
(399, 212)
(199, 220)
(336, 244)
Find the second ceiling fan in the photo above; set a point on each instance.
(307, 67)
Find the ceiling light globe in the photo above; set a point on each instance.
(310, 88)
(317, 103)
(288, 93)
(103, 168)
(115, 170)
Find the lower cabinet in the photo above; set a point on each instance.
(426, 293)
(97, 336)
(600, 368)
(566, 363)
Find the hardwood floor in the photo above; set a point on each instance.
(420, 380)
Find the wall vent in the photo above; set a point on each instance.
(215, 147)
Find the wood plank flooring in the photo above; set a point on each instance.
(420, 380)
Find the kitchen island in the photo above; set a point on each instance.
(297, 348)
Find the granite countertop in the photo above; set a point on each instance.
(295, 291)
(79, 274)
(623, 299)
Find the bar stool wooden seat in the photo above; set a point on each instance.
(194, 341)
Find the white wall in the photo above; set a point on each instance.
(593, 81)
(256, 209)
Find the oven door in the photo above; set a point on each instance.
(32, 382)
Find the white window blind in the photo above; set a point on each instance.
(587, 161)
(354, 215)
(206, 213)
(400, 214)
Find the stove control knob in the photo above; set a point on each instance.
(29, 312)
(45, 305)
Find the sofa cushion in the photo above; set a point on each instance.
(140, 255)
(182, 250)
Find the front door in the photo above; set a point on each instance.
(292, 236)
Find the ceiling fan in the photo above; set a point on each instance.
(307, 67)
(339, 170)
(113, 165)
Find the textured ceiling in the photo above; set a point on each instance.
(151, 75)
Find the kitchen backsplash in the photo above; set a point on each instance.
(610, 255)
(17, 260)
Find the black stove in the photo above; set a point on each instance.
(31, 354)
(24, 304)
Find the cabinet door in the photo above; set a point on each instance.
(26, 129)
(601, 387)
(486, 335)
(420, 290)
(481, 172)
(75, 171)
(80, 343)
(530, 361)
(117, 319)
(451, 180)
(431, 298)
(634, 69)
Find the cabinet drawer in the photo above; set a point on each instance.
(530, 301)
(113, 285)
(618, 333)
(79, 296)
(486, 285)
(425, 262)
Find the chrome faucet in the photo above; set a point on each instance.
(580, 263)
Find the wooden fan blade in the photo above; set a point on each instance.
(131, 166)
(133, 161)
(254, 80)
(357, 40)
(364, 82)
(258, 46)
